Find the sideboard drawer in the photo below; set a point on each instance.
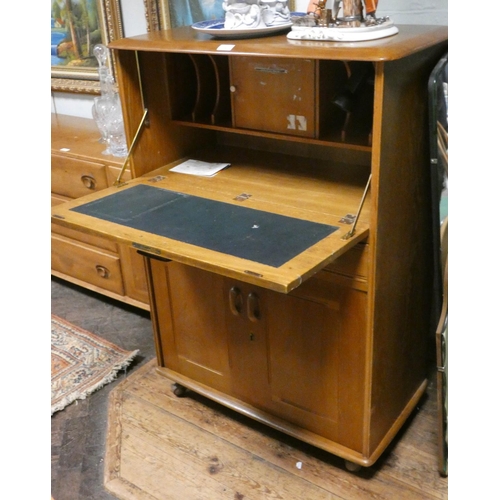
(57, 199)
(73, 177)
(87, 239)
(92, 265)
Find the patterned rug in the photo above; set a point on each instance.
(81, 363)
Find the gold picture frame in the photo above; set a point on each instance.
(74, 79)
(157, 15)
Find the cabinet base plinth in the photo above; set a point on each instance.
(350, 456)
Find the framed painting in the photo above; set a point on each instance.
(165, 14)
(76, 27)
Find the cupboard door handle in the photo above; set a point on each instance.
(235, 301)
(253, 310)
(102, 271)
(88, 181)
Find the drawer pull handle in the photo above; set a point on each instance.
(235, 301)
(253, 310)
(102, 271)
(88, 181)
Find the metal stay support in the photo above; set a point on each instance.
(351, 232)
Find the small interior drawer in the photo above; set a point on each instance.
(353, 263)
(92, 265)
(73, 177)
(275, 95)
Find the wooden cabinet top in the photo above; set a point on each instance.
(410, 39)
(79, 137)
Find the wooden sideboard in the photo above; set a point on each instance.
(78, 167)
(294, 286)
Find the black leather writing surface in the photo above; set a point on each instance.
(251, 234)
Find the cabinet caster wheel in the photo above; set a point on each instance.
(179, 390)
(351, 466)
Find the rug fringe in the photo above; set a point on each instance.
(109, 378)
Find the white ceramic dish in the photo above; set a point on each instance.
(216, 29)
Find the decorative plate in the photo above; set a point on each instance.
(216, 29)
(343, 33)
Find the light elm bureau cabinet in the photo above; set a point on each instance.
(78, 168)
(268, 294)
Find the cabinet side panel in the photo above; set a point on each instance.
(134, 274)
(161, 314)
(401, 239)
(160, 141)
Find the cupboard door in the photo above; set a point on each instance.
(299, 356)
(191, 322)
(303, 351)
(247, 341)
(316, 356)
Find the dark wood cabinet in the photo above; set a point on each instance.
(295, 356)
(294, 286)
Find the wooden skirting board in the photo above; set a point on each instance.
(163, 447)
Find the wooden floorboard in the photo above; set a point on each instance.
(162, 447)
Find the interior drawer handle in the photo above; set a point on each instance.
(102, 271)
(235, 301)
(253, 310)
(88, 181)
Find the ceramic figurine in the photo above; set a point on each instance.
(275, 12)
(352, 12)
(252, 14)
(241, 15)
(358, 22)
